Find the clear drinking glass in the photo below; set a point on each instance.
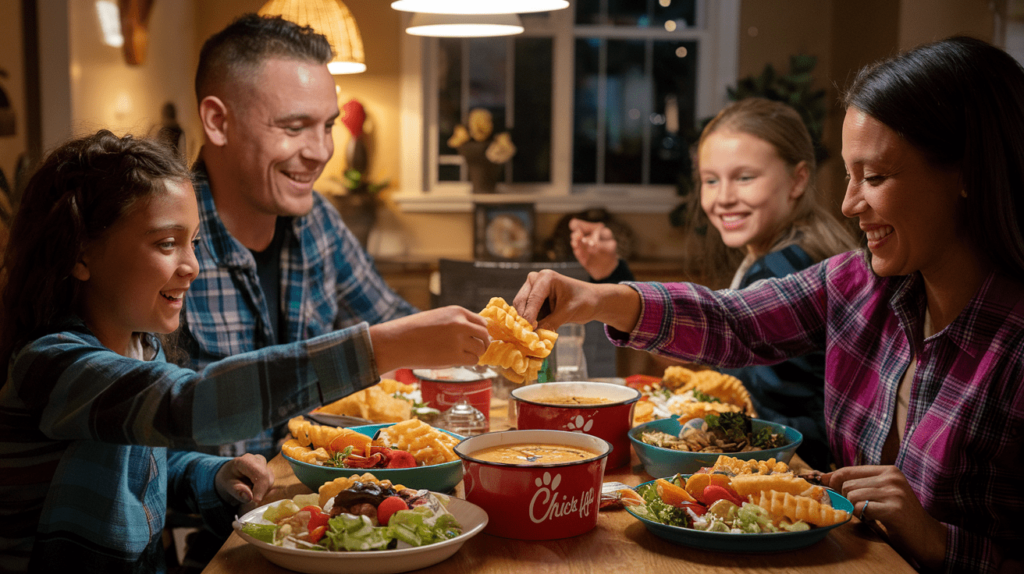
(570, 361)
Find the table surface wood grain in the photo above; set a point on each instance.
(619, 543)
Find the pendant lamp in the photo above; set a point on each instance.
(464, 26)
(332, 19)
(478, 6)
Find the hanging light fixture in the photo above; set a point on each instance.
(332, 19)
(464, 26)
(478, 6)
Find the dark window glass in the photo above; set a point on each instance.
(449, 172)
(487, 77)
(628, 105)
(449, 81)
(637, 13)
(675, 101)
(532, 132)
(585, 108)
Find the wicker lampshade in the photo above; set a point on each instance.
(478, 6)
(330, 18)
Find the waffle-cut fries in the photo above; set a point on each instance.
(307, 434)
(699, 410)
(723, 387)
(426, 444)
(377, 403)
(676, 377)
(329, 490)
(292, 449)
(736, 466)
(643, 412)
(784, 505)
(751, 485)
(516, 349)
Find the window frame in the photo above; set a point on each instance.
(421, 192)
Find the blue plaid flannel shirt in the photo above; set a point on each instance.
(328, 282)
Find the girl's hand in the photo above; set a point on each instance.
(890, 500)
(439, 338)
(594, 247)
(574, 301)
(244, 481)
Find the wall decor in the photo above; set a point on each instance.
(503, 231)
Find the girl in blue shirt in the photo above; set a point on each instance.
(101, 255)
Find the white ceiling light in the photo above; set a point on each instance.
(464, 26)
(479, 6)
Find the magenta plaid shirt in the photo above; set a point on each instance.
(962, 449)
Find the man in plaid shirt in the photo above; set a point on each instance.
(277, 264)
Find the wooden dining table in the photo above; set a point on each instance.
(619, 543)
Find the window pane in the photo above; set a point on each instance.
(487, 80)
(628, 97)
(637, 13)
(584, 149)
(449, 81)
(448, 172)
(532, 132)
(675, 100)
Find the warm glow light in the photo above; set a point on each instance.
(670, 26)
(464, 26)
(478, 6)
(110, 23)
(332, 19)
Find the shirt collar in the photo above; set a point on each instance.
(977, 323)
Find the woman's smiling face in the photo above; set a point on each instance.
(746, 189)
(905, 205)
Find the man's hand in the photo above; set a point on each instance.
(446, 337)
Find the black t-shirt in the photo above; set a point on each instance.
(268, 269)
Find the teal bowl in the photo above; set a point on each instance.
(661, 462)
(436, 477)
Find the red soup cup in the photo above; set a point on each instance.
(535, 501)
(442, 388)
(609, 420)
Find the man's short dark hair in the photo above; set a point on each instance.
(239, 50)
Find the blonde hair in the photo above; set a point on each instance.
(811, 225)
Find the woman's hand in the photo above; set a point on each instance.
(244, 481)
(574, 301)
(446, 337)
(890, 500)
(594, 247)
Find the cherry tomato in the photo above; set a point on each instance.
(389, 506)
(317, 517)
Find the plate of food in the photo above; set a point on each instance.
(409, 452)
(361, 525)
(389, 401)
(740, 506)
(687, 394)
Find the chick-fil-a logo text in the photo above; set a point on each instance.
(545, 504)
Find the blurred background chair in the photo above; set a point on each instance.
(472, 284)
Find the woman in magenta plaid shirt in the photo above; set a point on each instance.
(923, 330)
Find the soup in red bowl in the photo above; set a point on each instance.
(535, 484)
(604, 410)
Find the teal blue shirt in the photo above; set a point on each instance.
(86, 474)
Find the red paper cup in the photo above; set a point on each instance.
(535, 502)
(442, 388)
(609, 421)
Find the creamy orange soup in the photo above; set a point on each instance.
(533, 454)
(570, 400)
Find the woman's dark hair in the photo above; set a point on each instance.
(238, 51)
(80, 190)
(961, 102)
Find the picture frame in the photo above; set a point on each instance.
(503, 231)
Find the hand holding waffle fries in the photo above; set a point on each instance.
(516, 349)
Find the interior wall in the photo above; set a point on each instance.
(12, 61)
(107, 92)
